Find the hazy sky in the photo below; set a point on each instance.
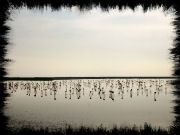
(93, 43)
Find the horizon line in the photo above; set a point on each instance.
(90, 77)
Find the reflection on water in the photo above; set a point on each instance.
(102, 88)
(106, 5)
(90, 102)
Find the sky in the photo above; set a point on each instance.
(68, 42)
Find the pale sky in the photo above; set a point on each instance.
(93, 43)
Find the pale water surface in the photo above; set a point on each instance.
(121, 102)
(70, 43)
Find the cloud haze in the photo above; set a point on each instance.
(93, 43)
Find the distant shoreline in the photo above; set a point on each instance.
(75, 78)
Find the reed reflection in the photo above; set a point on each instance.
(104, 89)
(151, 90)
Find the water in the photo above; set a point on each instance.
(70, 43)
(120, 102)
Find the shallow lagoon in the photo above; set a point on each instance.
(110, 102)
(92, 43)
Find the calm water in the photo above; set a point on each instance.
(121, 102)
(68, 42)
